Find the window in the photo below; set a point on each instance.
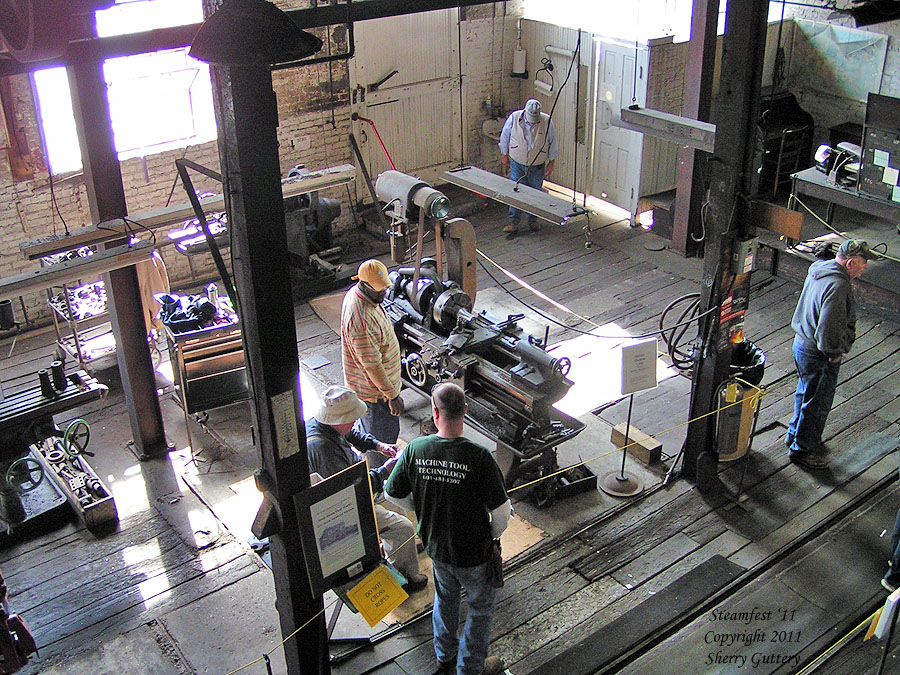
(641, 20)
(157, 101)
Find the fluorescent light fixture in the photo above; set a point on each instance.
(681, 130)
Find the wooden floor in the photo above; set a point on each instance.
(632, 586)
(601, 580)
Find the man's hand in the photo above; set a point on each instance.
(549, 168)
(836, 359)
(388, 466)
(387, 450)
(397, 406)
(504, 160)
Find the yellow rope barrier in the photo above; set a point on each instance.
(837, 232)
(756, 397)
(837, 645)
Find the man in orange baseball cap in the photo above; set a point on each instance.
(370, 354)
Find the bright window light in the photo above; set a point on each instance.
(157, 101)
(57, 120)
(641, 20)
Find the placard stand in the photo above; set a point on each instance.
(638, 373)
(623, 483)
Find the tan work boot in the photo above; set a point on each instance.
(493, 665)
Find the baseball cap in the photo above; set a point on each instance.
(533, 110)
(857, 247)
(340, 406)
(374, 273)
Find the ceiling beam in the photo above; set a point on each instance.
(100, 49)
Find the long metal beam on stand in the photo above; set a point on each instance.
(724, 294)
(106, 194)
(528, 199)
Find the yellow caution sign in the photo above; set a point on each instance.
(377, 595)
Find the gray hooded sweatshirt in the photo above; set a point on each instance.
(825, 318)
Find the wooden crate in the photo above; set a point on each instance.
(97, 508)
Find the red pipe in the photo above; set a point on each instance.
(357, 116)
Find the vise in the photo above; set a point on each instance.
(511, 381)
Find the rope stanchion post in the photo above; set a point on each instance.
(623, 483)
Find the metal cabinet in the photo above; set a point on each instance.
(208, 367)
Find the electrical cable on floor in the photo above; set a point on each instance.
(881, 248)
(566, 309)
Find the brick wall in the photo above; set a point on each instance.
(314, 114)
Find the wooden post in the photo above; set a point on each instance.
(247, 118)
(730, 169)
(698, 81)
(106, 196)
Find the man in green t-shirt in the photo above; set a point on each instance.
(457, 492)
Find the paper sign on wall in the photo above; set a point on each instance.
(285, 424)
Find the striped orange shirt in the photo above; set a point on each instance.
(370, 352)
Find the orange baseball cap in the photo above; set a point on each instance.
(374, 273)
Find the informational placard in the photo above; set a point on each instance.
(338, 535)
(377, 595)
(639, 366)
(337, 528)
(285, 424)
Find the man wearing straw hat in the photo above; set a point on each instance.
(332, 445)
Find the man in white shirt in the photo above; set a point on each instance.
(528, 147)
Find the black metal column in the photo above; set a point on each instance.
(730, 169)
(698, 81)
(247, 117)
(106, 195)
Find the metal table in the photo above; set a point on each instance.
(30, 408)
(814, 183)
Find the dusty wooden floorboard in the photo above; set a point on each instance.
(614, 548)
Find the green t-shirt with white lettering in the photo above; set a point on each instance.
(454, 484)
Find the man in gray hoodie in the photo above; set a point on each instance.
(825, 327)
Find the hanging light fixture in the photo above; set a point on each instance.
(251, 32)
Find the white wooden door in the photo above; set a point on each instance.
(617, 152)
(417, 109)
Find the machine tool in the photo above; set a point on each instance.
(511, 381)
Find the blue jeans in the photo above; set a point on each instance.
(379, 422)
(534, 177)
(812, 401)
(470, 651)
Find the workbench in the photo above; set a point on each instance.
(814, 183)
(26, 419)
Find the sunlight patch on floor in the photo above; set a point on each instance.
(597, 368)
